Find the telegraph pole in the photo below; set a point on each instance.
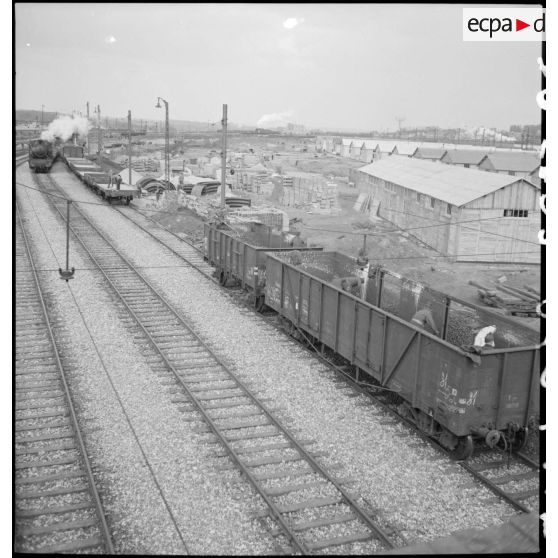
(99, 134)
(224, 157)
(130, 147)
(87, 136)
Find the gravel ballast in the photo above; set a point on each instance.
(207, 515)
(414, 489)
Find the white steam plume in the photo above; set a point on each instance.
(65, 127)
(275, 119)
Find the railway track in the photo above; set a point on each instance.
(308, 508)
(513, 477)
(57, 506)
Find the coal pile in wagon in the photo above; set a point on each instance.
(403, 297)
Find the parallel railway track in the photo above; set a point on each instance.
(57, 506)
(513, 477)
(309, 508)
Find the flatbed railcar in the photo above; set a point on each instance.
(239, 254)
(456, 396)
(94, 177)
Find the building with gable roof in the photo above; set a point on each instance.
(467, 158)
(514, 163)
(346, 147)
(467, 214)
(429, 153)
(356, 146)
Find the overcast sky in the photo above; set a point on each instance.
(332, 65)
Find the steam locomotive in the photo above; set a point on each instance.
(42, 154)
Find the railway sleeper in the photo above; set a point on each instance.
(281, 490)
(62, 526)
(73, 546)
(338, 541)
(48, 478)
(272, 460)
(54, 510)
(520, 476)
(57, 424)
(48, 463)
(58, 492)
(310, 504)
(46, 449)
(44, 437)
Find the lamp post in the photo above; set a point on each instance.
(167, 139)
(224, 158)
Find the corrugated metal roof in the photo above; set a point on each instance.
(455, 185)
(386, 146)
(357, 143)
(522, 161)
(429, 152)
(370, 144)
(346, 141)
(464, 156)
(407, 147)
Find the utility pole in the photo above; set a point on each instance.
(99, 133)
(224, 157)
(400, 119)
(42, 114)
(130, 147)
(87, 136)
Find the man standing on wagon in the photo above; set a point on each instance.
(424, 317)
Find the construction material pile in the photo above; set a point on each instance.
(515, 301)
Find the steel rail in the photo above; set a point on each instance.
(77, 431)
(316, 466)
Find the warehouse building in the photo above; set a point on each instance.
(429, 153)
(367, 150)
(346, 147)
(406, 148)
(514, 163)
(356, 146)
(462, 213)
(468, 158)
(383, 149)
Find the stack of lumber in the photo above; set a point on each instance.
(516, 301)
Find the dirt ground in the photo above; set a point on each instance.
(393, 249)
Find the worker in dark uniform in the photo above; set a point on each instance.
(424, 317)
(118, 181)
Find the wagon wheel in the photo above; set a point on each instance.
(520, 439)
(464, 448)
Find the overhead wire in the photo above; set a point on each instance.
(317, 228)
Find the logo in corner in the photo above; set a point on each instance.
(504, 24)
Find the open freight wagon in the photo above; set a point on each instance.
(453, 394)
(239, 254)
